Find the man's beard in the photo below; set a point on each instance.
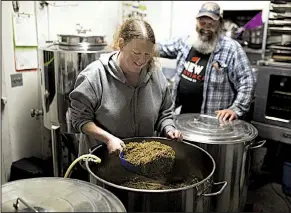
(205, 47)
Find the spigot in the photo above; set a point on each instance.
(81, 30)
(36, 113)
(3, 100)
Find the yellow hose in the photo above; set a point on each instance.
(82, 157)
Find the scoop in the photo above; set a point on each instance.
(139, 169)
(127, 165)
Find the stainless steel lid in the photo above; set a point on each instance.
(209, 129)
(58, 195)
(81, 42)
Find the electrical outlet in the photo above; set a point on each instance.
(16, 80)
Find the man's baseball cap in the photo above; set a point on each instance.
(209, 9)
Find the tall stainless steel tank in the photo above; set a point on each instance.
(60, 63)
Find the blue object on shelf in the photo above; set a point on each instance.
(287, 178)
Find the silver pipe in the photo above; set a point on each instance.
(39, 103)
(265, 34)
(56, 150)
(48, 22)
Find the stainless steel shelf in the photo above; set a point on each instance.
(285, 30)
(277, 34)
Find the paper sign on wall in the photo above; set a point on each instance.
(133, 9)
(24, 30)
(26, 59)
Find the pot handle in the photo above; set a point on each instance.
(258, 144)
(219, 192)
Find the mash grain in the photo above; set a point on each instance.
(153, 158)
(137, 183)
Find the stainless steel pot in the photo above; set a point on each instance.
(229, 144)
(57, 195)
(189, 160)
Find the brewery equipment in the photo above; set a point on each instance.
(190, 160)
(230, 144)
(59, 64)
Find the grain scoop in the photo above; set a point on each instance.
(129, 166)
(151, 159)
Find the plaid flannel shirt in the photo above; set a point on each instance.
(232, 87)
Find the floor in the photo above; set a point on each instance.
(268, 198)
(265, 191)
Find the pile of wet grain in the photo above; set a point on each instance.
(153, 159)
(139, 183)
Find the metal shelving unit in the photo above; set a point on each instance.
(276, 48)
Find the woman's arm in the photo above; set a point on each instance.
(113, 143)
(84, 101)
(96, 132)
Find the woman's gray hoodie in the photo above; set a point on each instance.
(101, 95)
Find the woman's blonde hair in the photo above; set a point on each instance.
(135, 29)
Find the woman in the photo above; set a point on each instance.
(123, 94)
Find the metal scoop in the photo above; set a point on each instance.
(127, 165)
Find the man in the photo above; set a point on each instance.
(213, 75)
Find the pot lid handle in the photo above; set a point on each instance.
(16, 205)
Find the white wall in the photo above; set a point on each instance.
(92, 15)
(21, 131)
(160, 17)
(95, 15)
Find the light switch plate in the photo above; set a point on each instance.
(16, 80)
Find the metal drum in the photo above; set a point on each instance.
(60, 64)
(229, 143)
(189, 160)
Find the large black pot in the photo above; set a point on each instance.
(190, 159)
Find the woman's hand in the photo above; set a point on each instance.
(114, 144)
(175, 134)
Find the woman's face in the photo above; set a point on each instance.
(135, 54)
